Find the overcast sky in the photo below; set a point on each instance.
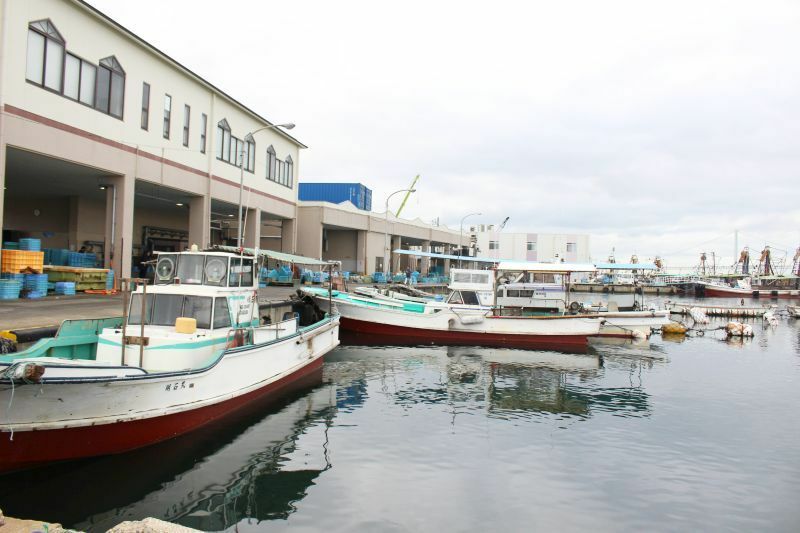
(656, 127)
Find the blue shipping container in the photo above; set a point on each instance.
(336, 193)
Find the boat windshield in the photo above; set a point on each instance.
(470, 298)
(190, 269)
(164, 309)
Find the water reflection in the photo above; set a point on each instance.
(500, 383)
(209, 479)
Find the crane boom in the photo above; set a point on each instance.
(408, 193)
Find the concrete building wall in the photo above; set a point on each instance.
(42, 121)
(360, 237)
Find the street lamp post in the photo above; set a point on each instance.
(386, 230)
(239, 232)
(461, 235)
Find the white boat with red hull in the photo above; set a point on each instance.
(464, 319)
(190, 351)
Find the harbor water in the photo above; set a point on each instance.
(696, 433)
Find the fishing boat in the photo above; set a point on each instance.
(742, 288)
(465, 318)
(188, 350)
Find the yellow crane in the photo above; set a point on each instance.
(408, 193)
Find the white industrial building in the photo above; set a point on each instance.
(109, 143)
(489, 241)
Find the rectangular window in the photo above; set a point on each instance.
(494, 245)
(53, 65)
(72, 77)
(199, 308)
(220, 142)
(531, 246)
(35, 66)
(145, 105)
(571, 246)
(117, 98)
(167, 114)
(88, 80)
(203, 127)
(186, 115)
(226, 145)
(222, 318)
(103, 88)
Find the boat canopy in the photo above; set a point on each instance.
(278, 256)
(553, 268)
(626, 266)
(447, 256)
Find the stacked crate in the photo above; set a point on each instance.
(15, 261)
(65, 288)
(35, 286)
(9, 289)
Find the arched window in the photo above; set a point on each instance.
(45, 60)
(250, 153)
(223, 140)
(271, 164)
(289, 171)
(110, 93)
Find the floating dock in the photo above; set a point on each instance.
(718, 310)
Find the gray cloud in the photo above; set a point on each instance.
(656, 128)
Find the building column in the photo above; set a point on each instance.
(252, 228)
(447, 250)
(288, 235)
(199, 223)
(2, 175)
(396, 242)
(120, 200)
(361, 251)
(425, 263)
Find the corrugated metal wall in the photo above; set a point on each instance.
(336, 193)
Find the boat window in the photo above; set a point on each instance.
(166, 309)
(135, 311)
(222, 318)
(512, 293)
(526, 294)
(241, 268)
(544, 277)
(190, 269)
(455, 298)
(216, 268)
(199, 308)
(165, 268)
(470, 298)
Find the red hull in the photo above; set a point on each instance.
(33, 448)
(362, 332)
(717, 292)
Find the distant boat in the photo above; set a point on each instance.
(189, 350)
(742, 289)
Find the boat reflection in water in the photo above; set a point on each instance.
(501, 382)
(209, 480)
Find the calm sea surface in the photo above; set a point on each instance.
(699, 434)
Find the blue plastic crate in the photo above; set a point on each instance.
(35, 283)
(10, 245)
(110, 280)
(77, 259)
(65, 288)
(9, 289)
(31, 245)
(11, 275)
(32, 295)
